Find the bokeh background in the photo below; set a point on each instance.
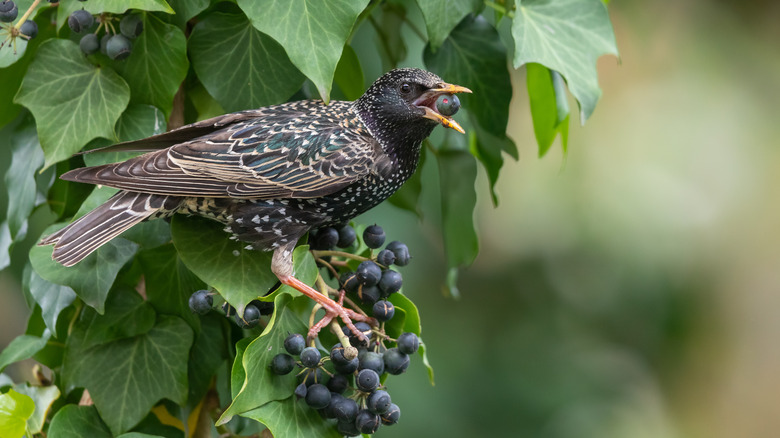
(630, 288)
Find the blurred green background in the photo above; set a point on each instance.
(629, 289)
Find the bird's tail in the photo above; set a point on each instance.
(123, 210)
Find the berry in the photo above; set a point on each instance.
(251, 317)
(29, 29)
(371, 361)
(379, 402)
(369, 295)
(392, 415)
(282, 364)
(338, 383)
(369, 273)
(374, 236)
(346, 410)
(265, 307)
(385, 257)
(228, 309)
(395, 362)
(347, 236)
(348, 367)
(347, 428)
(200, 302)
(104, 43)
(325, 239)
(317, 396)
(118, 47)
(354, 340)
(367, 421)
(349, 282)
(79, 21)
(294, 344)
(310, 357)
(89, 43)
(390, 282)
(301, 390)
(367, 380)
(383, 311)
(408, 343)
(401, 252)
(8, 11)
(131, 26)
(447, 104)
(330, 411)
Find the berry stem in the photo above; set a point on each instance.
(346, 255)
(27, 14)
(334, 327)
(327, 265)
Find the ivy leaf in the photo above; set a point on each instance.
(349, 74)
(290, 418)
(67, 96)
(52, 298)
(127, 315)
(138, 435)
(186, 10)
(23, 347)
(92, 277)
(43, 397)
(73, 421)
(208, 352)
(566, 36)
(157, 64)
(26, 158)
(15, 409)
(111, 6)
(12, 51)
(119, 377)
(258, 385)
(259, 74)
(441, 16)
(312, 32)
(549, 109)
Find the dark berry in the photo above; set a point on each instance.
(228, 309)
(317, 396)
(337, 354)
(347, 428)
(369, 273)
(29, 29)
(347, 236)
(390, 282)
(89, 43)
(311, 376)
(326, 239)
(79, 21)
(374, 236)
(330, 410)
(131, 26)
(447, 104)
(282, 364)
(338, 383)
(348, 367)
(408, 343)
(349, 282)
(401, 252)
(379, 402)
(8, 11)
(251, 317)
(372, 361)
(392, 415)
(367, 421)
(383, 310)
(367, 380)
(104, 43)
(265, 307)
(118, 47)
(310, 357)
(294, 344)
(346, 410)
(395, 362)
(385, 257)
(200, 302)
(301, 390)
(353, 339)
(369, 295)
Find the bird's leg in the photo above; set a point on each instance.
(282, 267)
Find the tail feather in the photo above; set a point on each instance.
(78, 240)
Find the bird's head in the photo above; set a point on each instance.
(403, 101)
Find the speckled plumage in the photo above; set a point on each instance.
(269, 175)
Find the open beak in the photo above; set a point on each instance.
(427, 102)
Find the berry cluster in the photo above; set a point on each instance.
(352, 394)
(8, 13)
(202, 301)
(116, 45)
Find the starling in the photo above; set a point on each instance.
(271, 174)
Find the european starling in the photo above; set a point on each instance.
(270, 174)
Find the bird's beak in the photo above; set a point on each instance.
(427, 102)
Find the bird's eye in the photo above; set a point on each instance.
(406, 88)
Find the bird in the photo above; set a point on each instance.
(271, 174)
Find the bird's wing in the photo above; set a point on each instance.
(303, 150)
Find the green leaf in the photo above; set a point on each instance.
(22, 347)
(259, 385)
(12, 51)
(5, 245)
(52, 298)
(125, 378)
(74, 421)
(138, 435)
(441, 16)
(567, 36)
(43, 397)
(72, 100)
(457, 174)
(544, 107)
(26, 158)
(349, 74)
(157, 65)
(391, 47)
(412, 324)
(15, 409)
(207, 354)
(187, 9)
(92, 277)
(408, 196)
(111, 6)
(259, 74)
(127, 315)
(312, 32)
(290, 418)
(240, 275)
